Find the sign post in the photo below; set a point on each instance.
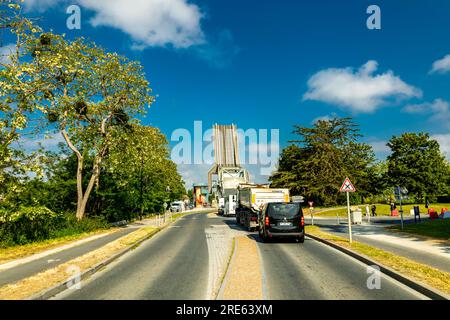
(311, 211)
(400, 194)
(348, 187)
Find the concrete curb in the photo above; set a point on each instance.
(226, 276)
(426, 290)
(51, 292)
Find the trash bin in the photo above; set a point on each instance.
(417, 214)
(432, 213)
(356, 216)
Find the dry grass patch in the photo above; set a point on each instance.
(240, 285)
(416, 271)
(44, 280)
(18, 252)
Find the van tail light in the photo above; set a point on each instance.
(267, 221)
(302, 221)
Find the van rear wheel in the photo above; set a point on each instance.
(262, 235)
(301, 239)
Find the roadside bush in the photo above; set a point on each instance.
(31, 224)
(27, 224)
(72, 226)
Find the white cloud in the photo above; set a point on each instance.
(360, 91)
(442, 65)
(439, 111)
(326, 117)
(444, 141)
(49, 142)
(148, 22)
(6, 52)
(380, 148)
(194, 173)
(40, 5)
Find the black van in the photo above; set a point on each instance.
(281, 220)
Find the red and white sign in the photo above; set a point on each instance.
(311, 203)
(347, 186)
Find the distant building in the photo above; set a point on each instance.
(201, 194)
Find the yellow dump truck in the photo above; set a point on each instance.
(250, 200)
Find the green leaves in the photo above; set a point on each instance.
(326, 154)
(417, 164)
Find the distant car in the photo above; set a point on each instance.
(176, 206)
(281, 220)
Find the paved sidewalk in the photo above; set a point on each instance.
(19, 269)
(435, 253)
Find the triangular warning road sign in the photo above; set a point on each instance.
(347, 186)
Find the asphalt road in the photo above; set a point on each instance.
(34, 267)
(171, 265)
(174, 265)
(360, 235)
(314, 271)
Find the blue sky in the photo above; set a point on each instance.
(272, 64)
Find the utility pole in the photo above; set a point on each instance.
(348, 187)
(350, 238)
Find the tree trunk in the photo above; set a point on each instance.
(80, 213)
(81, 209)
(82, 198)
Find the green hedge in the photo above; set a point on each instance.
(31, 224)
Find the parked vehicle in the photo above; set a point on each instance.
(177, 206)
(221, 207)
(230, 205)
(282, 220)
(252, 198)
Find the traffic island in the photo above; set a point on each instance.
(427, 280)
(244, 278)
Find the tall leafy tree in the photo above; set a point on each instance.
(317, 163)
(91, 96)
(18, 93)
(417, 163)
(139, 163)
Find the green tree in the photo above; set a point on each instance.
(91, 97)
(139, 163)
(18, 90)
(316, 165)
(417, 163)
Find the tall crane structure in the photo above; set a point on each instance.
(230, 174)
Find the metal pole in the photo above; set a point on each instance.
(349, 219)
(312, 215)
(401, 210)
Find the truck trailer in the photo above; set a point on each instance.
(250, 200)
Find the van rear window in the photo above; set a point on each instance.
(288, 210)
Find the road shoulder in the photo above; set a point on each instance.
(422, 278)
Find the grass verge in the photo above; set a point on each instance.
(51, 277)
(382, 209)
(436, 229)
(416, 271)
(18, 252)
